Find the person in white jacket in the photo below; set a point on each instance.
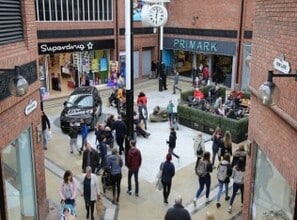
(90, 191)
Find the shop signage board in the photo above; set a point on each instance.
(32, 105)
(203, 46)
(281, 65)
(74, 46)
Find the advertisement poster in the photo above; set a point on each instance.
(137, 6)
(103, 64)
(113, 73)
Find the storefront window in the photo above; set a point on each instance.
(273, 197)
(19, 178)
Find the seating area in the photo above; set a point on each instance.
(205, 114)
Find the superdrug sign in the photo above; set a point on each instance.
(64, 47)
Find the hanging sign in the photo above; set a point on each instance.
(31, 107)
(281, 65)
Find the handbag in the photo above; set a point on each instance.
(99, 207)
(159, 184)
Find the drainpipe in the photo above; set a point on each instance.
(239, 42)
(116, 31)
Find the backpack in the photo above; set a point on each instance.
(222, 172)
(201, 169)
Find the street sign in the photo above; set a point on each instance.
(281, 65)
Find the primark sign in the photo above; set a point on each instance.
(74, 46)
(202, 46)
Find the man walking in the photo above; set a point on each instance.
(133, 163)
(178, 211)
(46, 127)
(84, 133)
(120, 133)
(90, 158)
(175, 82)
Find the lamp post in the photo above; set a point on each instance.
(129, 73)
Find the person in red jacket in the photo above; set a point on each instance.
(198, 95)
(133, 163)
(142, 108)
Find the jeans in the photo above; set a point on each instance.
(116, 183)
(204, 181)
(221, 184)
(73, 142)
(166, 190)
(214, 154)
(135, 173)
(45, 138)
(236, 187)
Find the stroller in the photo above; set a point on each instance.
(175, 121)
(66, 209)
(106, 179)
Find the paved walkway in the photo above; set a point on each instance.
(149, 205)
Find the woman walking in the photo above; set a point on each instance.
(172, 142)
(238, 182)
(90, 191)
(203, 171)
(168, 171)
(115, 164)
(216, 143)
(68, 189)
(223, 175)
(226, 145)
(198, 147)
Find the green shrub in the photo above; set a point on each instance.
(207, 122)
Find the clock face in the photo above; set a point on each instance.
(157, 15)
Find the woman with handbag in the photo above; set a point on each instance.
(168, 171)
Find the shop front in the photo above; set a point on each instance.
(186, 54)
(66, 65)
(272, 196)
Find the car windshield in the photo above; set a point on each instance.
(80, 100)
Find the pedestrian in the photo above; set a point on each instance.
(238, 182)
(175, 82)
(115, 164)
(223, 175)
(163, 77)
(205, 74)
(133, 163)
(142, 108)
(239, 153)
(73, 133)
(168, 171)
(102, 147)
(177, 212)
(203, 171)
(226, 145)
(195, 74)
(120, 133)
(90, 158)
(46, 127)
(198, 147)
(216, 143)
(172, 142)
(90, 191)
(153, 70)
(68, 189)
(169, 110)
(84, 133)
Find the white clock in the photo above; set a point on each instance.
(156, 15)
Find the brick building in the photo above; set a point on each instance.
(22, 176)
(270, 185)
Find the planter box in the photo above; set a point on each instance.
(206, 122)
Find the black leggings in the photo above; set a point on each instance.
(91, 205)
(116, 183)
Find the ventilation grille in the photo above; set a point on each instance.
(11, 27)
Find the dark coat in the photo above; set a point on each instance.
(168, 171)
(94, 160)
(172, 139)
(134, 159)
(177, 212)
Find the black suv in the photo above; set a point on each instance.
(83, 103)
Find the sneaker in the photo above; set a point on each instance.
(129, 192)
(136, 194)
(195, 202)
(227, 198)
(230, 209)
(218, 205)
(207, 201)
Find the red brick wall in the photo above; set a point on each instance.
(12, 117)
(274, 33)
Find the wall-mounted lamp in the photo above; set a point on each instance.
(18, 85)
(194, 20)
(268, 92)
